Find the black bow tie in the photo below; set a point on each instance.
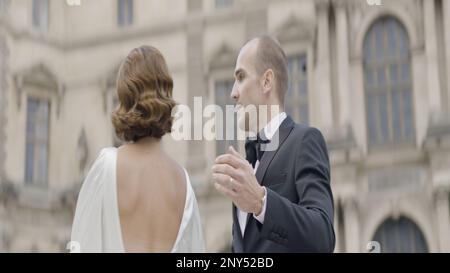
(253, 149)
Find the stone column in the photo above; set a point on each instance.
(352, 238)
(323, 68)
(196, 87)
(3, 95)
(434, 87)
(3, 103)
(342, 62)
(443, 219)
(446, 18)
(336, 225)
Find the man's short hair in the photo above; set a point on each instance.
(270, 55)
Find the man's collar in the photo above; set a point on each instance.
(273, 125)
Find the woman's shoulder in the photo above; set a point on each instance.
(107, 151)
(104, 163)
(105, 155)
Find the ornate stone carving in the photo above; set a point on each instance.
(396, 180)
(295, 29)
(409, 10)
(224, 57)
(39, 76)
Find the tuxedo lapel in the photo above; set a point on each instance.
(237, 233)
(236, 219)
(282, 133)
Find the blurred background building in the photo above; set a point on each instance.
(373, 75)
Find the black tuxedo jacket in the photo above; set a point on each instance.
(299, 210)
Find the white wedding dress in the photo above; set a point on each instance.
(96, 226)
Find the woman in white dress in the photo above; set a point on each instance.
(137, 198)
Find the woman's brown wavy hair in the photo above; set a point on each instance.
(144, 89)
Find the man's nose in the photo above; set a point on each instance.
(234, 93)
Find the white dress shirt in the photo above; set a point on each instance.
(269, 131)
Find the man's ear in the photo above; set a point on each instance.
(268, 80)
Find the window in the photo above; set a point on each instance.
(3, 6)
(194, 5)
(37, 141)
(400, 236)
(387, 84)
(125, 12)
(40, 14)
(223, 3)
(296, 101)
(222, 95)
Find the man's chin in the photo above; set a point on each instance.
(242, 125)
(246, 127)
(244, 122)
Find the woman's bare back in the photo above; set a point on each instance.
(151, 189)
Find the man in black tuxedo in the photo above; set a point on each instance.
(282, 199)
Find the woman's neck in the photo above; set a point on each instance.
(148, 143)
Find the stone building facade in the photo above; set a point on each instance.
(374, 78)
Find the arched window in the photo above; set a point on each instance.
(42, 94)
(400, 236)
(388, 84)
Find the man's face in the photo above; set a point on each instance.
(247, 88)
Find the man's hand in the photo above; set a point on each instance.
(234, 177)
